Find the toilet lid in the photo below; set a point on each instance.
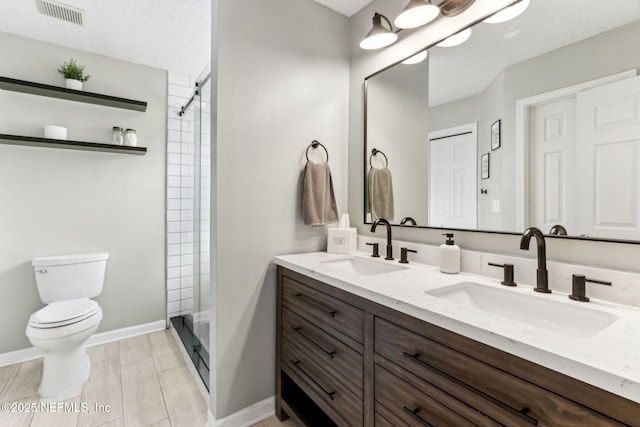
(64, 312)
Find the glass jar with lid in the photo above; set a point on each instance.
(117, 136)
(130, 138)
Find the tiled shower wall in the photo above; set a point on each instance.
(181, 190)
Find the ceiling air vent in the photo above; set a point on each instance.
(62, 11)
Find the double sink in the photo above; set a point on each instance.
(566, 318)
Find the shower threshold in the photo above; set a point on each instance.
(198, 350)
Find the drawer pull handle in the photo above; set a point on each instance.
(520, 414)
(298, 329)
(316, 306)
(329, 394)
(414, 414)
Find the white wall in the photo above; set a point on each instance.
(283, 80)
(55, 201)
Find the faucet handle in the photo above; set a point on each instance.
(403, 255)
(508, 273)
(578, 292)
(376, 250)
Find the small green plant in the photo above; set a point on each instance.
(73, 71)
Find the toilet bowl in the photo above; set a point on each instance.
(62, 328)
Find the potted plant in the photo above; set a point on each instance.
(74, 74)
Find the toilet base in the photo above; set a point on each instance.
(64, 374)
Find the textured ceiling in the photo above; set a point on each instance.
(345, 7)
(170, 34)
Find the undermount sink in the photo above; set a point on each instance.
(566, 319)
(363, 266)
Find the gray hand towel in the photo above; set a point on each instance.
(380, 200)
(318, 201)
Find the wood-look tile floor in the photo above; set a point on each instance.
(144, 380)
(273, 421)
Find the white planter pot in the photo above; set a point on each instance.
(73, 84)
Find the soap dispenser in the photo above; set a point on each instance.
(449, 256)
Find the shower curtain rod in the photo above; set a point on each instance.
(185, 107)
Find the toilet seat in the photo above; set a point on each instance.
(75, 326)
(63, 313)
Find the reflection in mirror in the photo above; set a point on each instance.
(554, 99)
(397, 125)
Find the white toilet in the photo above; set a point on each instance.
(60, 330)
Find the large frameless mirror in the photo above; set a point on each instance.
(532, 122)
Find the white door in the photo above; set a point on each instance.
(608, 160)
(453, 177)
(552, 135)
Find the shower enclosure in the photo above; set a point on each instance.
(192, 321)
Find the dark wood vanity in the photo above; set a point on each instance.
(344, 360)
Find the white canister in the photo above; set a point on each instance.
(130, 138)
(55, 132)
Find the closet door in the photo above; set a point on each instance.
(453, 177)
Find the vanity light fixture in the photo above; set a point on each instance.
(416, 59)
(456, 39)
(508, 13)
(417, 13)
(379, 36)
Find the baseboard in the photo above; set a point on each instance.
(31, 353)
(128, 332)
(20, 356)
(247, 416)
(211, 422)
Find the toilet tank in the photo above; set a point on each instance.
(64, 277)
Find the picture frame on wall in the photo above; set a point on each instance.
(484, 166)
(495, 135)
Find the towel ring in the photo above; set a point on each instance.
(374, 152)
(314, 144)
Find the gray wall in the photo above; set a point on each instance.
(55, 201)
(613, 255)
(282, 81)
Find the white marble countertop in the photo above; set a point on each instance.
(609, 360)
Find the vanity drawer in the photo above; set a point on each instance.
(335, 356)
(331, 314)
(342, 406)
(506, 398)
(412, 406)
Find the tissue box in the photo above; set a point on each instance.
(342, 241)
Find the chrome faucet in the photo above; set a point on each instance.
(542, 276)
(386, 224)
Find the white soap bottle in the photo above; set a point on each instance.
(449, 256)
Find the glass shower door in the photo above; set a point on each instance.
(192, 325)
